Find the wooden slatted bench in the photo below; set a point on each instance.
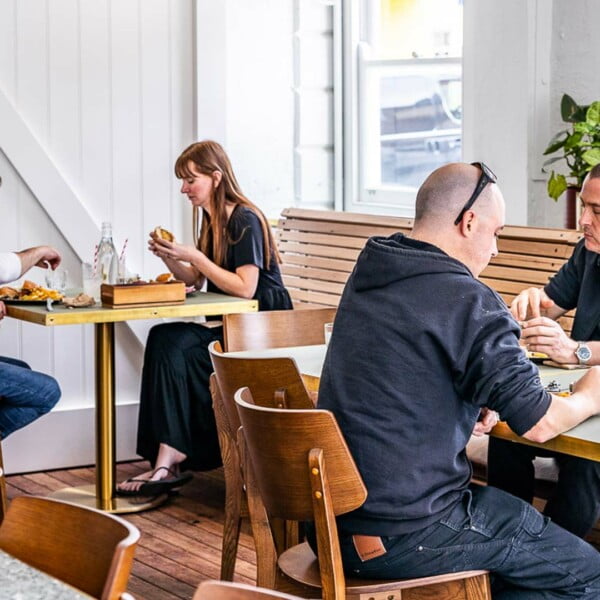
(319, 249)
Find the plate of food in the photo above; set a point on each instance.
(29, 293)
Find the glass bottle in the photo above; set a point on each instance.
(108, 262)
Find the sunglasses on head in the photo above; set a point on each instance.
(487, 176)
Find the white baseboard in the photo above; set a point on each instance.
(64, 439)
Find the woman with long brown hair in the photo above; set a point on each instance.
(235, 254)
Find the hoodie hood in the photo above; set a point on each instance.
(412, 258)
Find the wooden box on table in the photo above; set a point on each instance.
(142, 294)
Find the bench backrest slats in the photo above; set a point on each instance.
(319, 250)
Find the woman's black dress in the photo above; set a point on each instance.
(175, 401)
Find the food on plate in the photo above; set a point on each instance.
(29, 286)
(39, 293)
(8, 293)
(164, 277)
(165, 234)
(30, 291)
(79, 301)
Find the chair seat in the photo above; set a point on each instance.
(300, 564)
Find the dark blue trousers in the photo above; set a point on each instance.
(25, 395)
(530, 557)
(575, 501)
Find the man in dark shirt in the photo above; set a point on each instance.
(419, 348)
(575, 501)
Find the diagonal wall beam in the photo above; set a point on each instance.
(31, 160)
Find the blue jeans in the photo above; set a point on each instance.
(25, 395)
(530, 557)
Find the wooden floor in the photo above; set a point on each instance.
(181, 540)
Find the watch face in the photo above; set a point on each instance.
(583, 353)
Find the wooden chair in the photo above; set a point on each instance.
(225, 590)
(84, 547)
(275, 382)
(3, 499)
(299, 467)
(275, 328)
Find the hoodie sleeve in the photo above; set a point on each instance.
(496, 372)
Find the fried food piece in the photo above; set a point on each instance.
(165, 234)
(8, 292)
(164, 277)
(29, 286)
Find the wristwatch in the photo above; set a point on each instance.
(583, 353)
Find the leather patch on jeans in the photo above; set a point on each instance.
(368, 546)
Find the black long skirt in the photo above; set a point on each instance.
(175, 403)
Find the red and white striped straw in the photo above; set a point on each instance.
(123, 251)
(95, 260)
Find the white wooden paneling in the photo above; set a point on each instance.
(98, 101)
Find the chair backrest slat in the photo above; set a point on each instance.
(275, 328)
(279, 442)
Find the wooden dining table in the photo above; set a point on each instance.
(20, 580)
(102, 495)
(583, 440)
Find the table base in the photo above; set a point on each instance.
(85, 495)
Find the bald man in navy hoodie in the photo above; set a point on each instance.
(419, 348)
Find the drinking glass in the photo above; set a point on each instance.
(91, 281)
(56, 280)
(327, 328)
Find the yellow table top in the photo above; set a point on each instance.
(197, 304)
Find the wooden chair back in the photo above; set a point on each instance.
(273, 381)
(279, 442)
(275, 328)
(225, 590)
(84, 547)
(298, 466)
(3, 498)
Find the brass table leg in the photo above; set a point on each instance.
(102, 495)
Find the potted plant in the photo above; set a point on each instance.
(579, 145)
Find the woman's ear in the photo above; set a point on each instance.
(217, 176)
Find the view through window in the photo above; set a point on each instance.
(410, 95)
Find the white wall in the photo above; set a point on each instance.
(106, 89)
(520, 57)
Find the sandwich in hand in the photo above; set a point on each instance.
(164, 234)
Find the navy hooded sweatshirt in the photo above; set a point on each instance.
(418, 347)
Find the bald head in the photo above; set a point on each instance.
(444, 193)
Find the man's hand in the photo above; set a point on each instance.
(545, 335)
(2, 310)
(38, 257)
(531, 303)
(489, 418)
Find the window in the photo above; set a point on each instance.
(403, 72)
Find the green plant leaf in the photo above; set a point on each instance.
(592, 157)
(568, 107)
(557, 142)
(557, 184)
(592, 116)
(573, 141)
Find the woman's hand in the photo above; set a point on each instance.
(178, 259)
(547, 336)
